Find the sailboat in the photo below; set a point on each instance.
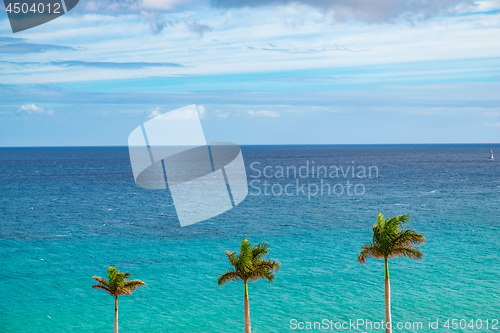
(492, 158)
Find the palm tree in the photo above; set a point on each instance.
(391, 240)
(249, 265)
(117, 285)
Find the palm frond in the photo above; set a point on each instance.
(265, 269)
(129, 287)
(245, 257)
(100, 280)
(409, 252)
(259, 251)
(270, 264)
(393, 224)
(133, 284)
(377, 238)
(227, 277)
(231, 257)
(103, 287)
(369, 251)
(408, 237)
(261, 273)
(102, 283)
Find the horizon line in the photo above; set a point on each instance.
(279, 144)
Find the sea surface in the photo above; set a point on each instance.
(67, 214)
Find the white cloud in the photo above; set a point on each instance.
(497, 124)
(30, 109)
(263, 113)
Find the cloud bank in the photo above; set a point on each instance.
(380, 11)
(365, 10)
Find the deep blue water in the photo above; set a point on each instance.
(67, 214)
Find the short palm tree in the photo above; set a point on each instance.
(117, 285)
(249, 265)
(391, 240)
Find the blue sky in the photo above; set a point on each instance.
(263, 72)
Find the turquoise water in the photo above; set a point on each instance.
(66, 214)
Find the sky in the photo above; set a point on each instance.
(260, 71)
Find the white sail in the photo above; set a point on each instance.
(491, 155)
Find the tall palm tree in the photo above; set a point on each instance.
(249, 265)
(391, 240)
(117, 285)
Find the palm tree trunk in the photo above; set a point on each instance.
(116, 314)
(248, 329)
(388, 327)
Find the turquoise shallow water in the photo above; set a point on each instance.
(66, 214)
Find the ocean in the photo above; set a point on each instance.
(67, 214)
